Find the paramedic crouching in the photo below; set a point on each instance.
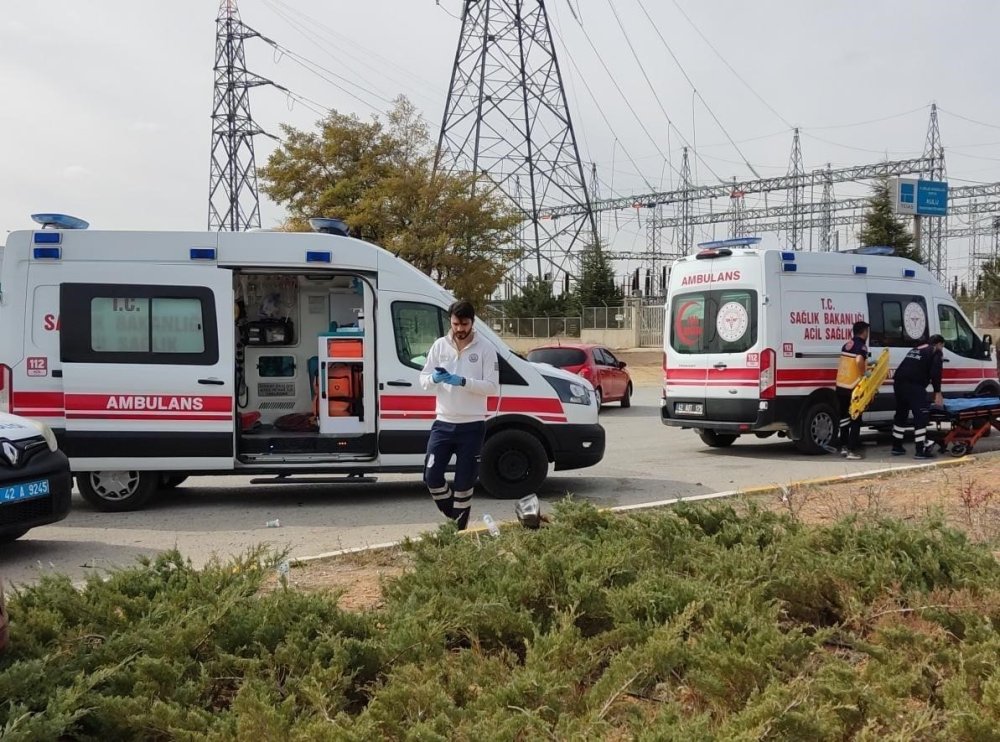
(463, 371)
(921, 366)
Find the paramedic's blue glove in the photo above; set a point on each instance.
(454, 380)
(439, 375)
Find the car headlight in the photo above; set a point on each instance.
(569, 391)
(47, 434)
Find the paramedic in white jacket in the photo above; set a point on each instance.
(463, 371)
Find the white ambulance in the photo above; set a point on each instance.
(158, 355)
(752, 338)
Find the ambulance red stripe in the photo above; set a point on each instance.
(180, 403)
(148, 417)
(426, 403)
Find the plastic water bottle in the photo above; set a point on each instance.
(491, 525)
(273, 523)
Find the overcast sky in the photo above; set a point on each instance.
(107, 103)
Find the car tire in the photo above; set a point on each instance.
(598, 397)
(819, 425)
(171, 481)
(514, 464)
(627, 399)
(714, 439)
(10, 536)
(118, 491)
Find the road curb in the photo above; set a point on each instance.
(792, 486)
(767, 489)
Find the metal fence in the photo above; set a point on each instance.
(651, 326)
(985, 315)
(592, 318)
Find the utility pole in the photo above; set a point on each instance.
(233, 202)
(506, 118)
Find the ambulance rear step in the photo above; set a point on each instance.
(288, 479)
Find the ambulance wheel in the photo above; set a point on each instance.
(818, 427)
(627, 399)
(170, 481)
(717, 440)
(514, 464)
(117, 491)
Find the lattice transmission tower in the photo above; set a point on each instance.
(937, 255)
(507, 121)
(233, 202)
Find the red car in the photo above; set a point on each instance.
(595, 363)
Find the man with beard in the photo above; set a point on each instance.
(463, 371)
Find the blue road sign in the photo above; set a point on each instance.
(932, 198)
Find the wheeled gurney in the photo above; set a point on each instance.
(971, 418)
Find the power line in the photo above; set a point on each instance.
(970, 120)
(621, 92)
(865, 123)
(314, 67)
(318, 29)
(731, 68)
(600, 108)
(689, 81)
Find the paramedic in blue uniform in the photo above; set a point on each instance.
(921, 366)
(853, 363)
(463, 371)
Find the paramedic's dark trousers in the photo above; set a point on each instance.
(465, 442)
(849, 436)
(910, 398)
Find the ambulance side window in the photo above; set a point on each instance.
(416, 326)
(897, 321)
(112, 323)
(959, 338)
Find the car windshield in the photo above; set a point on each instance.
(558, 357)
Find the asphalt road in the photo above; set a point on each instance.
(645, 461)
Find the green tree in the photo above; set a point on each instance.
(596, 286)
(537, 300)
(378, 177)
(883, 227)
(988, 281)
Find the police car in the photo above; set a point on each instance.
(35, 481)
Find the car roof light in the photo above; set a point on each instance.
(59, 221)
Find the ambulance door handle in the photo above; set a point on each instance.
(213, 382)
(720, 365)
(398, 383)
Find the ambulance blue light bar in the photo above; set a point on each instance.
(319, 256)
(860, 270)
(789, 267)
(202, 253)
(60, 221)
(788, 256)
(909, 273)
(47, 253)
(48, 238)
(732, 242)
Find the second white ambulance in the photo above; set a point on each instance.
(752, 338)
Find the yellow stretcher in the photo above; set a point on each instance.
(869, 385)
